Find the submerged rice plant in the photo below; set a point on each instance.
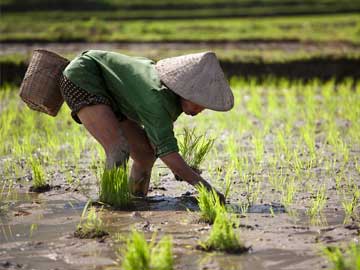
(140, 255)
(114, 188)
(209, 204)
(223, 236)
(347, 260)
(91, 225)
(194, 148)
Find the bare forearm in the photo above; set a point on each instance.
(178, 166)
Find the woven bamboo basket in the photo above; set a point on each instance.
(40, 88)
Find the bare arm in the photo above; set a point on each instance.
(178, 166)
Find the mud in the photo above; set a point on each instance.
(37, 231)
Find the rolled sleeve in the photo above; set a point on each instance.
(169, 145)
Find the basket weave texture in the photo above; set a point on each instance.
(40, 88)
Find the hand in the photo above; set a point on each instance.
(210, 188)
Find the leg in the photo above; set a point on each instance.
(102, 123)
(142, 154)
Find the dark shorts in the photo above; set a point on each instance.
(77, 98)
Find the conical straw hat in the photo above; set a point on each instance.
(199, 78)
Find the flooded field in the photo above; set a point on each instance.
(288, 154)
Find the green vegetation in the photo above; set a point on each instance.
(351, 201)
(51, 27)
(317, 204)
(223, 236)
(91, 225)
(194, 148)
(186, 8)
(38, 176)
(285, 169)
(349, 259)
(114, 188)
(147, 256)
(209, 204)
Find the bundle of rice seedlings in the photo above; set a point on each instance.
(114, 188)
(223, 237)
(141, 255)
(349, 259)
(38, 176)
(209, 204)
(194, 148)
(91, 225)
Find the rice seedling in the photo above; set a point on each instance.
(38, 176)
(244, 208)
(277, 180)
(333, 134)
(308, 135)
(194, 148)
(91, 225)
(288, 192)
(5, 191)
(33, 228)
(252, 188)
(282, 145)
(317, 204)
(223, 236)
(231, 147)
(339, 178)
(343, 149)
(357, 165)
(114, 188)
(351, 203)
(347, 259)
(258, 143)
(228, 183)
(253, 104)
(209, 204)
(146, 256)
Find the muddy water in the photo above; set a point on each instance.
(37, 233)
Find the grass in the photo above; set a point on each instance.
(139, 254)
(223, 236)
(49, 27)
(349, 259)
(114, 188)
(209, 204)
(91, 225)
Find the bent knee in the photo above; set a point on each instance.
(145, 163)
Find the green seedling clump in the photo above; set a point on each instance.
(38, 176)
(114, 188)
(91, 225)
(347, 260)
(194, 148)
(223, 237)
(141, 255)
(209, 204)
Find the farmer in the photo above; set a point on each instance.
(129, 105)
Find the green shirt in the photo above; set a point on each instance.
(134, 89)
